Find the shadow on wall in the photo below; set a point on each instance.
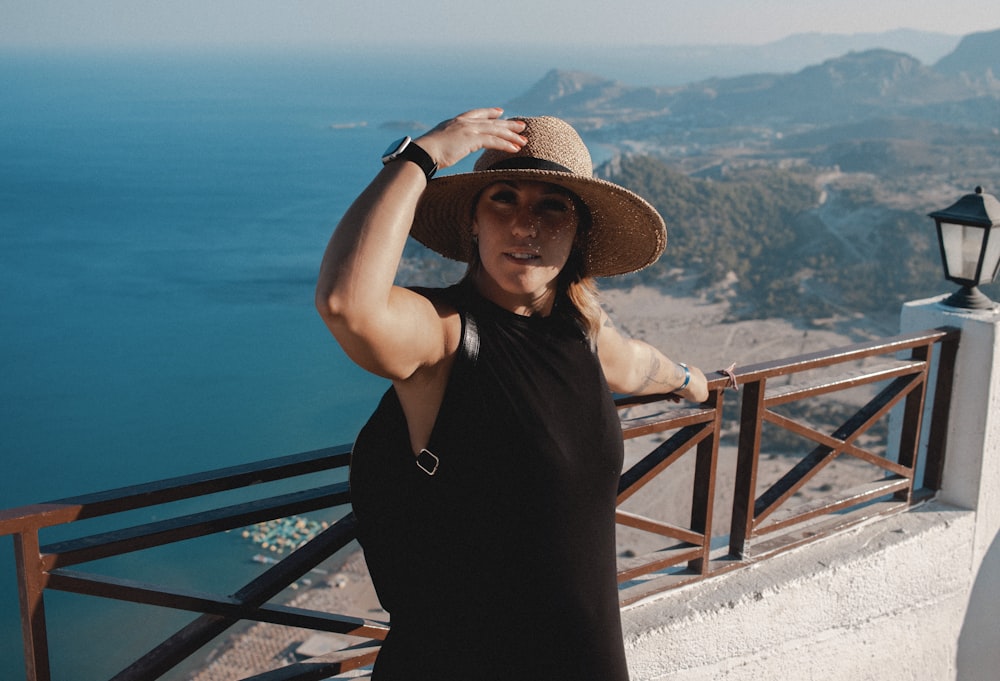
(979, 643)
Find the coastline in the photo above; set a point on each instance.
(688, 328)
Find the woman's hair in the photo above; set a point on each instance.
(581, 292)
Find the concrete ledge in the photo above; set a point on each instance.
(885, 600)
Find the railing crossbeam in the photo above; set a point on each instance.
(137, 538)
(669, 556)
(658, 527)
(204, 483)
(659, 459)
(650, 424)
(795, 392)
(823, 454)
(202, 630)
(857, 496)
(769, 545)
(836, 445)
(193, 601)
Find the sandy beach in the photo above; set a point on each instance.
(688, 328)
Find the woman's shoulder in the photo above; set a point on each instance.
(456, 302)
(451, 304)
(455, 297)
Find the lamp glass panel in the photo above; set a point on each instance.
(961, 249)
(991, 263)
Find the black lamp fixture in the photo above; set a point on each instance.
(969, 235)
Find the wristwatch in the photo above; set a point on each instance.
(407, 150)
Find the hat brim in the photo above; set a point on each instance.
(626, 234)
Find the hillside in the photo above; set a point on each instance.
(782, 243)
(802, 196)
(977, 57)
(808, 192)
(678, 64)
(854, 86)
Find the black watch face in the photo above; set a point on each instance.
(394, 148)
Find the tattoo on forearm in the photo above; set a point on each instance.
(655, 374)
(652, 371)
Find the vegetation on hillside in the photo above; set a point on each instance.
(763, 229)
(821, 180)
(795, 195)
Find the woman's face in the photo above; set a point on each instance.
(525, 232)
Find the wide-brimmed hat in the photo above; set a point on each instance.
(626, 232)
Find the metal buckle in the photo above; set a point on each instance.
(427, 461)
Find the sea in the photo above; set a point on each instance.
(162, 219)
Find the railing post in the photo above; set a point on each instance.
(913, 408)
(938, 433)
(30, 589)
(703, 495)
(744, 494)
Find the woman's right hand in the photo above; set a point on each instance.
(452, 140)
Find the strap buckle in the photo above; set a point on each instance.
(427, 461)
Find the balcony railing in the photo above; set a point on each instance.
(766, 516)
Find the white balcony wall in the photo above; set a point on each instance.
(911, 597)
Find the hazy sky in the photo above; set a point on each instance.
(440, 23)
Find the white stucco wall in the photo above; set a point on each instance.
(882, 601)
(972, 470)
(913, 597)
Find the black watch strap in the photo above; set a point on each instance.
(408, 150)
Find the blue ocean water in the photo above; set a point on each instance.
(162, 217)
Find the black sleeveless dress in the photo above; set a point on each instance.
(500, 565)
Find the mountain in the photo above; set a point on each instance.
(805, 193)
(977, 57)
(855, 86)
(818, 47)
(588, 99)
(672, 65)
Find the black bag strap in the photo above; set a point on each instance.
(470, 337)
(468, 349)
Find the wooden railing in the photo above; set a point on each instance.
(764, 515)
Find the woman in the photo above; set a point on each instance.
(484, 484)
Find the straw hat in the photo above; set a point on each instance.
(626, 232)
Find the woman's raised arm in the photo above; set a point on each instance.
(386, 329)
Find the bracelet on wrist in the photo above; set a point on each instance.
(687, 375)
